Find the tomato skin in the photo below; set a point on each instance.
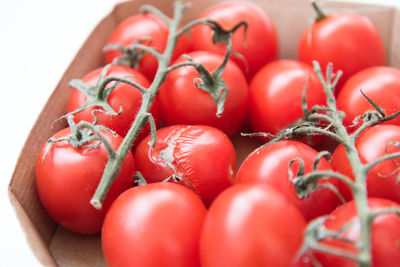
(68, 178)
(123, 96)
(381, 84)
(371, 145)
(255, 50)
(269, 165)
(350, 41)
(251, 225)
(182, 102)
(385, 235)
(154, 225)
(202, 156)
(140, 27)
(282, 80)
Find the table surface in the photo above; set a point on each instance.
(39, 40)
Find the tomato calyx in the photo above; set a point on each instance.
(96, 96)
(315, 121)
(212, 83)
(305, 184)
(319, 12)
(131, 54)
(84, 134)
(316, 232)
(372, 117)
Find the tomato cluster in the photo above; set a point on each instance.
(198, 207)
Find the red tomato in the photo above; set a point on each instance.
(385, 237)
(371, 145)
(270, 165)
(276, 94)
(251, 225)
(147, 27)
(68, 177)
(154, 225)
(258, 46)
(380, 84)
(350, 41)
(202, 156)
(124, 96)
(183, 103)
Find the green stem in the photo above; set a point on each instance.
(381, 159)
(114, 164)
(100, 136)
(333, 250)
(359, 171)
(320, 14)
(359, 191)
(109, 79)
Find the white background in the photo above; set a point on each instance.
(38, 40)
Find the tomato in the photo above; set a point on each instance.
(350, 41)
(276, 94)
(124, 97)
(258, 46)
(251, 225)
(270, 165)
(68, 177)
(380, 84)
(372, 144)
(182, 102)
(154, 225)
(202, 156)
(150, 29)
(385, 233)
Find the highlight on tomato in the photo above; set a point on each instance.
(67, 177)
(270, 165)
(349, 40)
(145, 29)
(373, 143)
(256, 46)
(197, 156)
(154, 225)
(182, 102)
(251, 225)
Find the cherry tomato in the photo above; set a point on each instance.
(372, 144)
(150, 29)
(350, 41)
(380, 84)
(68, 177)
(270, 165)
(385, 235)
(154, 225)
(276, 94)
(251, 225)
(258, 46)
(202, 156)
(124, 97)
(183, 103)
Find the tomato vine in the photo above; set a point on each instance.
(334, 128)
(210, 82)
